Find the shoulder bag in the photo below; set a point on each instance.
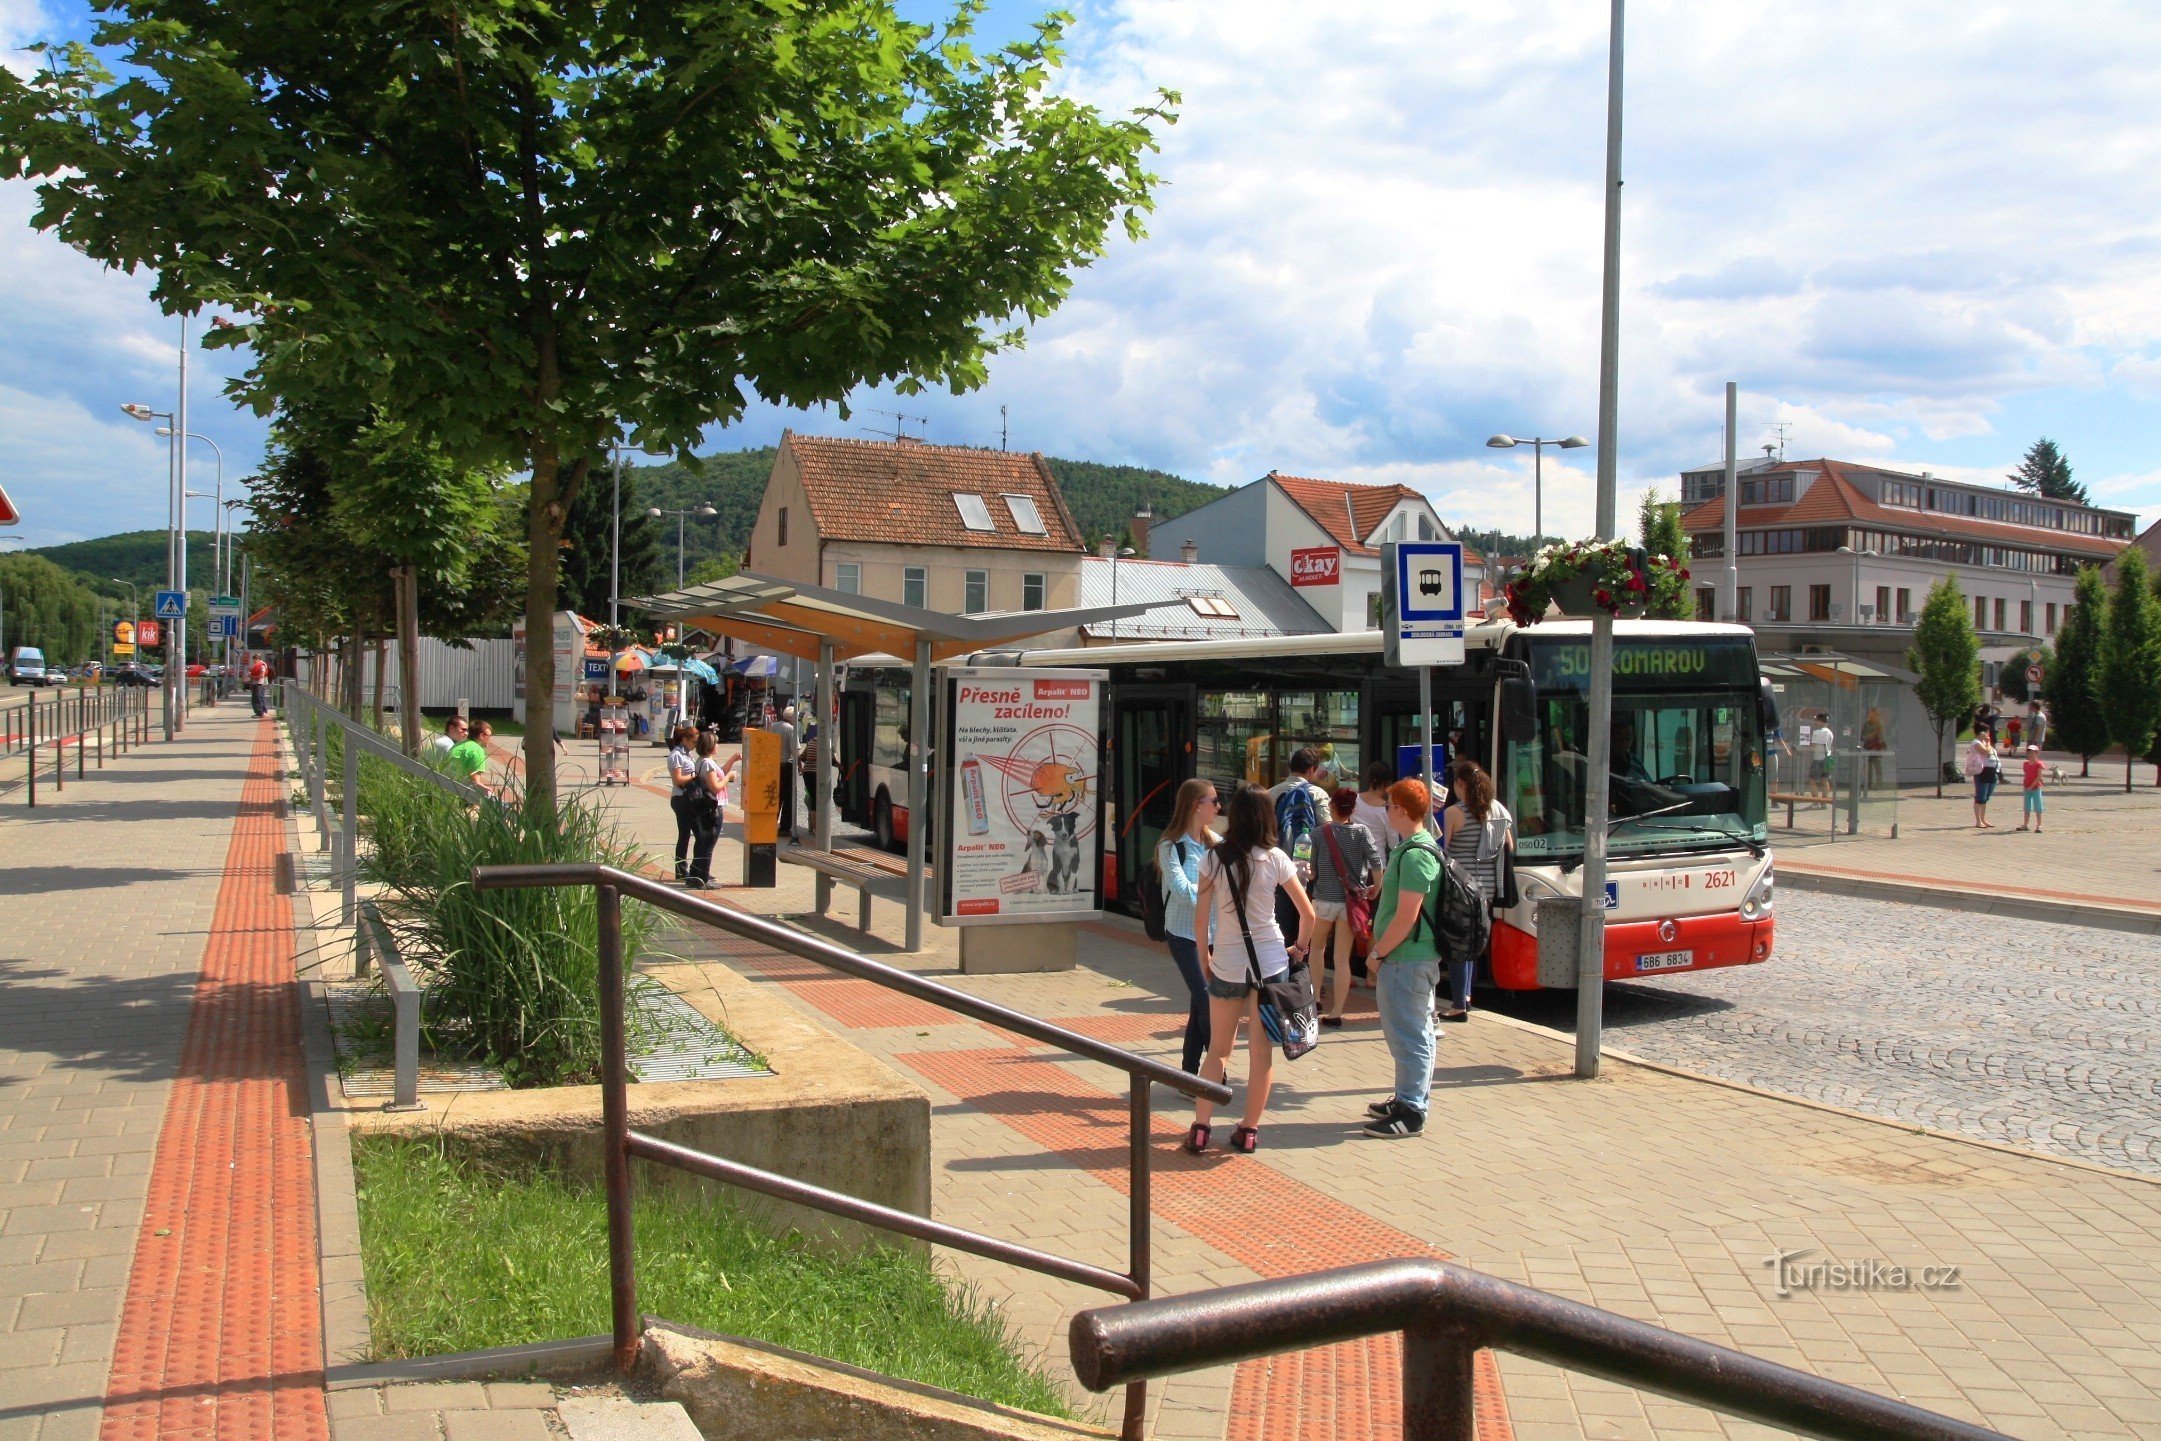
(1355, 904)
(1290, 1011)
(1153, 899)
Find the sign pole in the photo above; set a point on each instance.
(1425, 727)
(918, 749)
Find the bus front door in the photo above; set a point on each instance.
(1151, 752)
(857, 709)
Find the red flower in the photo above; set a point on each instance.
(1684, 572)
(1603, 597)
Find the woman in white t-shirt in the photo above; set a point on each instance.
(1239, 879)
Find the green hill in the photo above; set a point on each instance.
(135, 555)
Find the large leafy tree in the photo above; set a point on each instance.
(2128, 681)
(2076, 721)
(589, 545)
(1659, 532)
(53, 609)
(527, 228)
(1947, 656)
(2044, 471)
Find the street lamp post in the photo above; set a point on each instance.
(175, 548)
(698, 510)
(1538, 444)
(1117, 555)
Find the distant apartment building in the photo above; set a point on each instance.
(1834, 544)
(948, 528)
(1323, 537)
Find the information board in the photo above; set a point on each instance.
(1019, 820)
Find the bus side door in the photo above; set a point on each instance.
(1150, 753)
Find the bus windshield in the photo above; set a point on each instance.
(1687, 750)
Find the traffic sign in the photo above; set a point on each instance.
(1422, 603)
(2033, 674)
(225, 602)
(172, 605)
(9, 515)
(225, 627)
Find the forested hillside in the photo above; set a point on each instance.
(135, 555)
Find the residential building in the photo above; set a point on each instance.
(1207, 602)
(1323, 537)
(946, 527)
(1826, 543)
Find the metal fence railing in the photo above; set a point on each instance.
(619, 1144)
(1447, 1314)
(311, 723)
(106, 717)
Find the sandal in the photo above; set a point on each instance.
(1246, 1140)
(1197, 1138)
(1332, 1022)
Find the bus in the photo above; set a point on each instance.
(1689, 871)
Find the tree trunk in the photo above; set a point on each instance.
(543, 569)
(1939, 763)
(379, 648)
(409, 657)
(2085, 766)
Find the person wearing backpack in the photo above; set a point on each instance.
(1177, 887)
(1407, 958)
(1475, 830)
(1242, 947)
(1345, 863)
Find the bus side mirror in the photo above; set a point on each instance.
(1519, 709)
(1767, 707)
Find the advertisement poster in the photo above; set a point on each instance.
(1020, 831)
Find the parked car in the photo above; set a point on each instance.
(197, 671)
(133, 675)
(57, 675)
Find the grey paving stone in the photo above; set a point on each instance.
(500, 1426)
(404, 1426)
(520, 1395)
(69, 1308)
(617, 1418)
(436, 1396)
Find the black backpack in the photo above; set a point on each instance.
(1152, 896)
(1457, 913)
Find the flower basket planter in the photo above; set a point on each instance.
(1585, 577)
(1573, 596)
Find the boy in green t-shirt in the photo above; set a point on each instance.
(470, 756)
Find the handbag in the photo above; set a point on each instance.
(1505, 894)
(1355, 905)
(1290, 1011)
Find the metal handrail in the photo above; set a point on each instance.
(619, 1143)
(113, 713)
(1447, 1314)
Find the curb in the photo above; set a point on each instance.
(1630, 1058)
(2014, 907)
(584, 1353)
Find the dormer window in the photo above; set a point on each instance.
(1025, 515)
(973, 512)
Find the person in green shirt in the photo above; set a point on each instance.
(1409, 961)
(469, 757)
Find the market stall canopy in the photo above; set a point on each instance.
(695, 667)
(790, 618)
(632, 660)
(756, 665)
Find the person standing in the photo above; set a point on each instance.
(2034, 779)
(1984, 767)
(1476, 830)
(1372, 810)
(710, 794)
(1821, 740)
(791, 752)
(2037, 724)
(259, 685)
(682, 794)
(1408, 958)
(1242, 945)
(1178, 870)
(1344, 866)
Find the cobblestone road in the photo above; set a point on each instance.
(2041, 1036)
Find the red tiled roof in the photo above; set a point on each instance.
(1349, 513)
(901, 493)
(1833, 499)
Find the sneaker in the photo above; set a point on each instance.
(1383, 1108)
(1400, 1121)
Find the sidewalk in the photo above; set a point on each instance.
(1659, 1196)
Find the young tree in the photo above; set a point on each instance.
(2128, 681)
(1947, 656)
(2045, 472)
(525, 229)
(2015, 686)
(2076, 722)
(1659, 532)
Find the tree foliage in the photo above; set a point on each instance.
(1103, 498)
(2015, 686)
(1659, 532)
(589, 545)
(2076, 722)
(2045, 472)
(525, 229)
(45, 606)
(2127, 683)
(135, 556)
(1947, 656)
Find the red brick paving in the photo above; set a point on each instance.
(221, 1336)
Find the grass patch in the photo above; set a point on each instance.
(461, 1256)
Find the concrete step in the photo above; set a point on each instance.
(618, 1418)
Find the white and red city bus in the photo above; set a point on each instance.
(1689, 876)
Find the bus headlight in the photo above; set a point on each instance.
(1758, 903)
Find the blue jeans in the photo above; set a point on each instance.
(1404, 990)
(1187, 956)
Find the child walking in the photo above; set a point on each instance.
(2035, 778)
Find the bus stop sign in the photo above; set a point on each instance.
(1422, 603)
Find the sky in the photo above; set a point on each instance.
(1917, 235)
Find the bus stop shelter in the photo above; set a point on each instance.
(1856, 785)
(828, 627)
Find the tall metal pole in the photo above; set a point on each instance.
(679, 515)
(176, 669)
(615, 553)
(1591, 954)
(919, 806)
(1538, 495)
(1730, 608)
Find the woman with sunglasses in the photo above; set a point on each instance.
(1238, 884)
(1178, 864)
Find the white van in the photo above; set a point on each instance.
(27, 666)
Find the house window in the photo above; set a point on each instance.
(1980, 613)
(1032, 588)
(2052, 617)
(1999, 612)
(978, 593)
(1781, 603)
(1427, 530)
(1026, 516)
(849, 577)
(1819, 602)
(1706, 604)
(784, 525)
(1883, 604)
(1744, 601)
(1905, 606)
(2025, 617)
(914, 584)
(973, 512)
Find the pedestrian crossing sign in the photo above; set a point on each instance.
(172, 605)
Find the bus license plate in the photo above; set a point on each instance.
(1666, 961)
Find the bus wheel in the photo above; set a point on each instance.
(881, 823)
